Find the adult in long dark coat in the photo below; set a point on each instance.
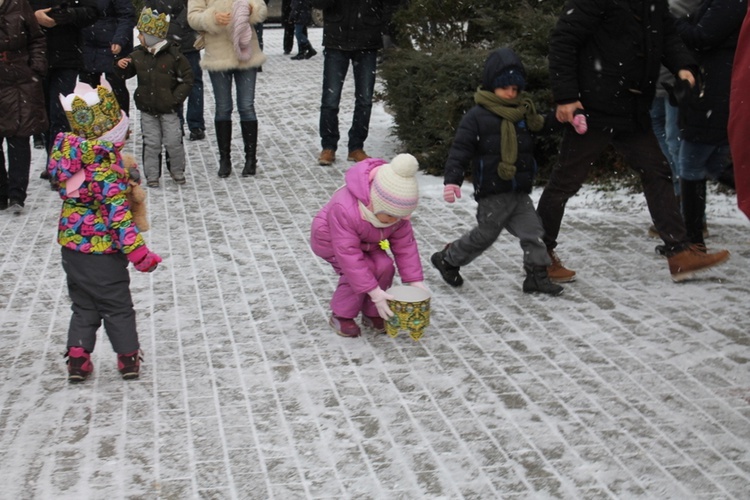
(739, 117)
(604, 60)
(711, 33)
(61, 23)
(110, 38)
(22, 67)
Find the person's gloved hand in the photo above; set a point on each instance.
(420, 285)
(579, 122)
(143, 259)
(451, 192)
(379, 298)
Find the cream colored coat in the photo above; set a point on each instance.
(219, 51)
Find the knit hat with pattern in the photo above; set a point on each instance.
(394, 189)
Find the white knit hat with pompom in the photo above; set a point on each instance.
(394, 189)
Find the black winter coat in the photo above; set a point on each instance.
(607, 54)
(114, 26)
(22, 67)
(180, 31)
(353, 24)
(164, 80)
(711, 33)
(64, 45)
(301, 12)
(477, 143)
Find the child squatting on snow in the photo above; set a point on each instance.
(353, 231)
(494, 141)
(97, 229)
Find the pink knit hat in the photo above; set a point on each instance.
(394, 189)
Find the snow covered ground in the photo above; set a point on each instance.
(626, 386)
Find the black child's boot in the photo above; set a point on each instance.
(537, 280)
(693, 208)
(301, 54)
(310, 51)
(224, 139)
(250, 138)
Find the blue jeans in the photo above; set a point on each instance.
(335, 66)
(664, 121)
(300, 32)
(244, 80)
(195, 98)
(702, 161)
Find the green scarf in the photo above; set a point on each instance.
(511, 111)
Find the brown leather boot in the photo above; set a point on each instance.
(684, 265)
(558, 273)
(327, 157)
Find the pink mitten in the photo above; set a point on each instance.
(380, 298)
(143, 259)
(451, 192)
(579, 122)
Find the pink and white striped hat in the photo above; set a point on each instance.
(394, 189)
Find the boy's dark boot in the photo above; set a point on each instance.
(693, 208)
(224, 139)
(302, 51)
(250, 138)
(310, 51)
(537, 280)
(447, 271)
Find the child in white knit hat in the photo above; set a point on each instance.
(354, 231)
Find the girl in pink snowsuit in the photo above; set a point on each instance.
(353, 232)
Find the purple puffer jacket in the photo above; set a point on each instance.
(340, 235)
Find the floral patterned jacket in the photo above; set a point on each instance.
(93, 184)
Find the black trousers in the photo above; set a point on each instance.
(286, 10)
(99, 287)
(642, 152)
(14, 180)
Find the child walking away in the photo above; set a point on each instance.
(97, 229)
(353, 232)
(494, 140)
(164, 82)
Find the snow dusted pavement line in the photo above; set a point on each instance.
(625, 387)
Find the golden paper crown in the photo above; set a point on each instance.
(152, 23)
(91, 113)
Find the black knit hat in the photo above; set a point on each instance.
(508, 77)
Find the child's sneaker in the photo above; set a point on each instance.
(152, 183)
(375, 322)
(79, 364)
(346, 327)
(129, 365)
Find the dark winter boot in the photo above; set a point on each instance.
(301, 54)
(310, 51)
(250, 138)
(224, 138)
(129, 365)
(693, 208)
(538, 281)
(448, 271)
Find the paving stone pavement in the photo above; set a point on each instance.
(627, 386)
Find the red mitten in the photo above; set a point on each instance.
(143, 259)
(451, 192)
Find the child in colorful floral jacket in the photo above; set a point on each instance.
(96, 229)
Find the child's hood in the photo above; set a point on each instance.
(74, 160)
(359, 178)
(497, 62)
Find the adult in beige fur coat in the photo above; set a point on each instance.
(232, 54)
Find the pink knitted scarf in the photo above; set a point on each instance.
(242, 30)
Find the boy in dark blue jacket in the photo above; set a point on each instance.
(494, 140)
